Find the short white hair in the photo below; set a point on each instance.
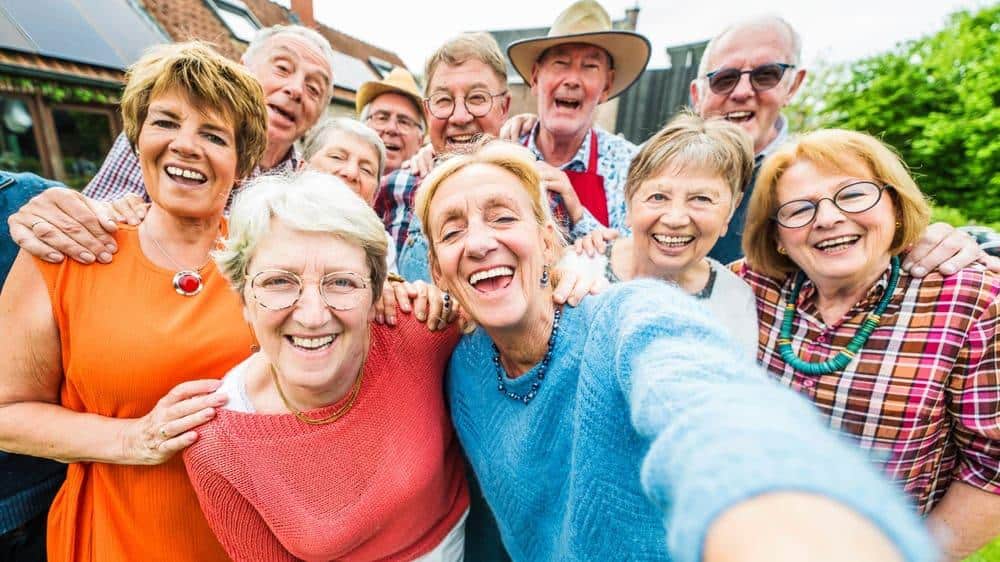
(307, 201)
(776, 22)
(319, 136)
(311, 36)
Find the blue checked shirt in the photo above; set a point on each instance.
(614, 154)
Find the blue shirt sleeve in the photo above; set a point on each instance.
(722, 432)
(412, 259)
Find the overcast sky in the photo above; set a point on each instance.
(836, 30)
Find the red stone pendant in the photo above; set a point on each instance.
(187, 283)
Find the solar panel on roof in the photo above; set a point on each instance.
(109, 33)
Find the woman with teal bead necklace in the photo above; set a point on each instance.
(908, 367)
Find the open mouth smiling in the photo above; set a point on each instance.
(492, 279)
(312, 343)
(187, 176)
(834, 245)
(287, 115)
(739, 116)
(567, 103)
(673, 241)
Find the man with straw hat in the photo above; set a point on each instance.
(580, 64)
(393, 108)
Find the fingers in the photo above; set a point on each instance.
(386, 302)
(172, 428)
(425, 161)
(435, 311)
(27, 241)
(991, 262)
(403, 298)
(567, 280)
(64, 221)
(951, 252)
(188, 389)
(421, 302)
(130, 209)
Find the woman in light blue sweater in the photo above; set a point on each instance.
(626, 428)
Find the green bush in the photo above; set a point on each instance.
(935, 99)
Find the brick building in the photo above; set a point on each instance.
(62, 66)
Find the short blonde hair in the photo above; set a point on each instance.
(306, 201)
(210, 82)
(505, 155)
(479, 46)
(319, 136)
(690, 142)
(834, 149)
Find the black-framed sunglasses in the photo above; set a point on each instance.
(763, 77)
(853, 198)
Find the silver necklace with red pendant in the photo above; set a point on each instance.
(187, 282)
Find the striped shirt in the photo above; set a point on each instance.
(923, 394)
(121, 174)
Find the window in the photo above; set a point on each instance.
(383, 67)
(85, 136)
(237, 17)
(18, 147)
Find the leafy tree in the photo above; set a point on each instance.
(935, 99)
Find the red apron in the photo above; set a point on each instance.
(589, 187)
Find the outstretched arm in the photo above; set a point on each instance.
(729, 447)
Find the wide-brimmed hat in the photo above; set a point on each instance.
(586, 22)
(399, 81)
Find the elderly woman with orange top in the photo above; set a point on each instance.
(335, 443)
(111, 368)
(909, 367)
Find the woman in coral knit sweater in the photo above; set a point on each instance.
(106, 367)
(335, 443)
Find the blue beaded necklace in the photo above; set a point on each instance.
(544, 366)
(844, 357)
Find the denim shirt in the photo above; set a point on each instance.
(27, 484)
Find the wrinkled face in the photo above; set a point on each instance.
(188, 157)
(677, 216)
(837, 248)
(470, 77)
(756, 112)
(296, 79)
(489, 248)
(395, 119)
(314, 347)
(352, 160)
(570, 81)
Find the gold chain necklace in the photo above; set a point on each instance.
(355, 388)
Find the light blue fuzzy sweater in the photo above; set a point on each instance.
(645, 429)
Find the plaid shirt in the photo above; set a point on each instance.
(394, 203)
(120, 174)
(923, 394)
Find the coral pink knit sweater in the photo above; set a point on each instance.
(384, 482)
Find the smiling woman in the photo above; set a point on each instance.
(87, 376)
(631, 409)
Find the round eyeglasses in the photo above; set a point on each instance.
(477, 102)
(277, 289)
(763, 77)
(853, 198)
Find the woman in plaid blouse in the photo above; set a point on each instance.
(909, 367)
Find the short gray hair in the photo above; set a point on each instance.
(319, 135)
(306, 201)
(770, 20)
(311, 36)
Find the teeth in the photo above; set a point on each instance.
(673, 240)
(836, 241)
(738, 115)
(311, 343)
(489, 274)
(462, 138)
(189, 174)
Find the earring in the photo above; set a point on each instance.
(545, 276)
(898, 224)
(782, 251)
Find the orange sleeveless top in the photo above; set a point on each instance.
(127, 338)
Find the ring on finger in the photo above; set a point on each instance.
(36, 223)
(446, 300)
(163, 432)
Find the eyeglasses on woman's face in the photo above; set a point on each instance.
(277, 289)
(853, 198)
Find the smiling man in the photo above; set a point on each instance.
(748, 73)
(466, 97)
(393, 108)
(580, 64)
(294, 66)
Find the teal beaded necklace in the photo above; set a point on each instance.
(843, 358)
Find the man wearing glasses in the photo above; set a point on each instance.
(393, 108)
(466, 97)
(748, 73)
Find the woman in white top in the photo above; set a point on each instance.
(681, 191)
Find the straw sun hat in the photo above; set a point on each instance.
(587, 22)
